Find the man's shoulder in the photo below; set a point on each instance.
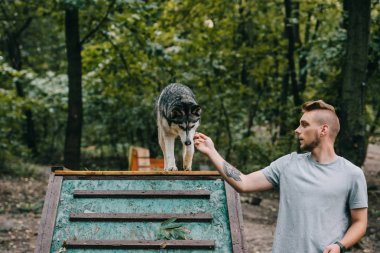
(349, 166)
(292, 157)
(295, 155)
(300, 156)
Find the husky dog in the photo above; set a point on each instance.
(178, 114)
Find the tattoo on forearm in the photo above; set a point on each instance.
(231, 171)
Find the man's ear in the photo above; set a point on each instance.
(324, 130)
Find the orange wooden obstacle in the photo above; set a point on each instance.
(139, 160)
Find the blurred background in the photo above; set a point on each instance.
(79, 79)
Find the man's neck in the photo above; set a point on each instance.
(324, 155)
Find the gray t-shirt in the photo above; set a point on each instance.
(315, 201)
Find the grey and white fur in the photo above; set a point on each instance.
(178, 114)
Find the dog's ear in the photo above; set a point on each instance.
(196, 110)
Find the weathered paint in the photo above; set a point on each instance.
(218, 229)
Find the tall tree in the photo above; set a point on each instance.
(74, 72)
(352, 140)
(72, 152)
(292, 33)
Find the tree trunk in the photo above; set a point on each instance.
(352, 140)
(290, 75)
(289, 31)
(75, 114)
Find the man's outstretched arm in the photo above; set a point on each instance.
(255, 181)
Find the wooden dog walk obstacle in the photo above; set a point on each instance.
(109, 211)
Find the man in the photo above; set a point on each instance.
(323, 197)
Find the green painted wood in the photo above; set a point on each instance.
(218, 230)
(140, 217)
(142, 194)
(141, 244)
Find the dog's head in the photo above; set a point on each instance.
(186, 116)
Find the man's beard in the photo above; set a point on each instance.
(310, 146)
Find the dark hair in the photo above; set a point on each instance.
(317, 105)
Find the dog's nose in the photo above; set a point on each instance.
(187, 143)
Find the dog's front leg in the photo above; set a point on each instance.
(169, 153)
(161, 141)
(187, 155)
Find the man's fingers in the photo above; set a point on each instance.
(198, 141)
(200, 135)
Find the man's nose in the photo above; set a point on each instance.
(297, 131)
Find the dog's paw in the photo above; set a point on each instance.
(187, 168)
(171, 169)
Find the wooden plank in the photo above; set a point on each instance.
(236, 220)
(139, 216)
(141, 177)
(44, 217)
(156, 163)
(241, 223)
(142, 194)
(49, 212)
(139, 158)
(141, 244)
(134, 173)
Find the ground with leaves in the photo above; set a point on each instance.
(21, 202)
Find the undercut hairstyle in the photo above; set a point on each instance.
(327, 116)
(317, 105)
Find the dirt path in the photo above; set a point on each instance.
(21, 202)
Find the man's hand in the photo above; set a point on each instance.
(332, 248)
(204, 143)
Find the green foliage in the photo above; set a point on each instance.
(231, 53)
(169, 230)
(13, 165)
(256, 152)
(11, 122)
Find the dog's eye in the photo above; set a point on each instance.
(196, 110)
(193, 119)
(176, 114)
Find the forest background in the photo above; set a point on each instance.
(79, 79)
